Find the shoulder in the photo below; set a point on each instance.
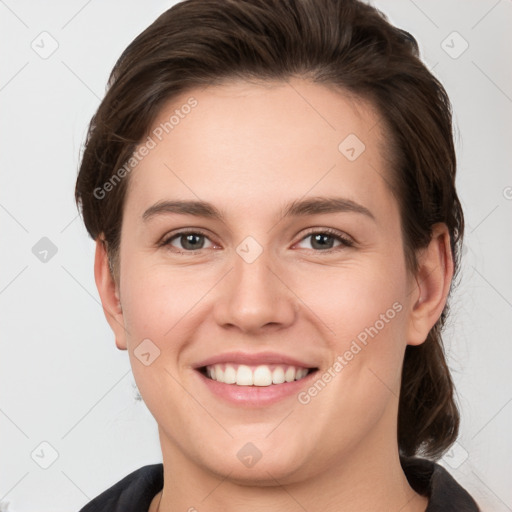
(133, 493)
(432, 480)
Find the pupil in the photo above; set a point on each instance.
(320, 238)
(191, 241)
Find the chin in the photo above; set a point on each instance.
(259, 463)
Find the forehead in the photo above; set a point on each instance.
(244, 142)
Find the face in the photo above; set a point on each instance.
(266, 304)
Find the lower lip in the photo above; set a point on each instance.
(255, 396)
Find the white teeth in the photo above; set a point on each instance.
(278, 375)
(229, 375)
(300, 374)
(289, 376)
(244, 376)
(262, 375)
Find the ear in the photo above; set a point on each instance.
(432, 285)
(109, 294)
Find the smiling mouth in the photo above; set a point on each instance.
(259, 375)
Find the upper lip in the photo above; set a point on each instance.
(252, 359)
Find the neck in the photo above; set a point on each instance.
(368, 478)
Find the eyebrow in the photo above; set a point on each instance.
(298, 208)
(318, 205)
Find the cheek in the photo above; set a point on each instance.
(160, 307)
(157, 299)
(350, 298)
(363, 313)
(154, 308)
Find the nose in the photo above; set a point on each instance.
(254, 297)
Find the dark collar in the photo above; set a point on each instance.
(432, 480)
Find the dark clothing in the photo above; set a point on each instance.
(135, 492)
(432, 480)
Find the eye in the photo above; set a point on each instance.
(327, 240)
(188, 241)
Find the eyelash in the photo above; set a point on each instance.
(346, 242)
(340, 237)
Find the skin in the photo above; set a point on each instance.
(250, 149)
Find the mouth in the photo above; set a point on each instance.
(255, 375)
(255, 380)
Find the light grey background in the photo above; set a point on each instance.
(62, 379)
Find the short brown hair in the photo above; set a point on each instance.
(344, 43)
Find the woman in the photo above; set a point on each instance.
(271, 188)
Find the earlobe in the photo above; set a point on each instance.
(432, 285)
(109, 293)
